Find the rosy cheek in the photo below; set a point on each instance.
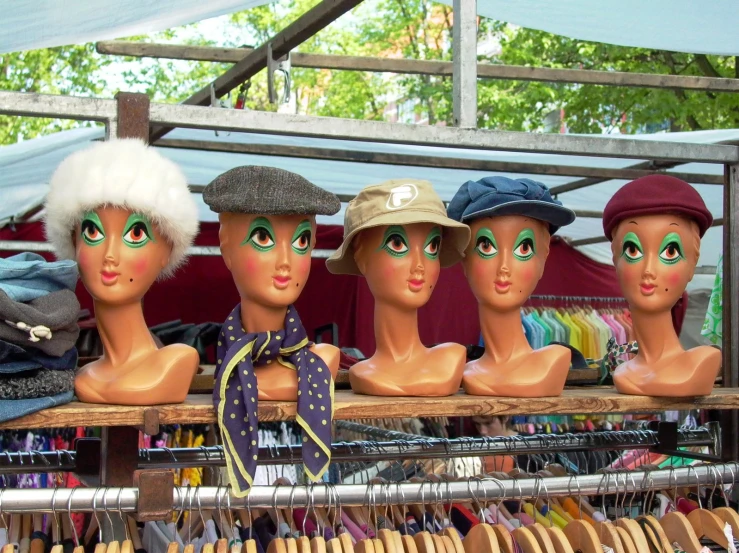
(527, 274)
(433, 270)
(479, 270)
(141, 266)
(251, 264)
(303, 266)
(674, 278)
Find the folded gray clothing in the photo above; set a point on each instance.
(35, 384)
(56, 312)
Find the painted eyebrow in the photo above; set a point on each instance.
(674, 225)
(633, 223)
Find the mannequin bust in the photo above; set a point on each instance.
(401, 266)
(269, 259)
(511, 223)
(397, 235)
(509, 252)
(120, 254)
(267, 233)
(655, 254)
(126, 231)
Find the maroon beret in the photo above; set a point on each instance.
(656, 194)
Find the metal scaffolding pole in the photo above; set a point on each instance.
(406, 160)
(450, 137)
(425, 67)
(730, 305)
(464, 80)
(178, 115)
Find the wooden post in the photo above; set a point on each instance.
(119, 448)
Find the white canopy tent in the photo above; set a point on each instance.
(26, 168)
(677, 25)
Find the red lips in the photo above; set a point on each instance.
(647, 289)
(415, 284)
(109, 277)
(281, 281)
(502, 286)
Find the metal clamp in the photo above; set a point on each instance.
(283, 65)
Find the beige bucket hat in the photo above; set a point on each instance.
(398, 202)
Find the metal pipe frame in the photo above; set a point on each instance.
(407, 160)
(197, 117)
(405, 446)
(125, 500)
(424, 67)
(178, 115)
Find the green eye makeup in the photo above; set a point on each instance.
(671, 250)
(91, 229)
(260, 235)
(485, 244)
(632, 249)
(137, 231)
(525, 247)
(395, 241)
(302, 238)
(433, 243)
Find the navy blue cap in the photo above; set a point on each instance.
(498, 195)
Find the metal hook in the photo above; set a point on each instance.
(69, 514)
(697, 485)
(120, 514)
(95, 514)
(105, 508)
(53, 509)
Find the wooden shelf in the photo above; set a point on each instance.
(198, 409)
(202, 383)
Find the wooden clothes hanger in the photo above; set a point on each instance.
(727, 514)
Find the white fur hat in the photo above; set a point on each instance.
(123, 173)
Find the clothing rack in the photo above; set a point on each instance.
(402, 448)
(125, 499)
(581, 299)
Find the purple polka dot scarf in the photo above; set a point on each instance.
(235, 395)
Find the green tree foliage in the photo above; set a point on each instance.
(417, 29)
(69, 70)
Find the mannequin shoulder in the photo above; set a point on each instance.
(707, 360)
(451, 350)
(330, 355)
(554, 353)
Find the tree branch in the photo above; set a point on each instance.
(705, 66)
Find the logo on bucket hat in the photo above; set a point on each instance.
(401, 196)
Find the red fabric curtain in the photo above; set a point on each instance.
(203, 291)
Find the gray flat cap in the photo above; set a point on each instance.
(268, 191)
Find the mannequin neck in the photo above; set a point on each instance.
(655, 334)
(123, 331)
(256, 317)
(396, 331)
(502, 333)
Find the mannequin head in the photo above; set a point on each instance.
(655, 225)
(505, 259)
(269, 256)
(655, 258)
(400, 262)
(120, 207)
(398, 231)
(120, 253)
